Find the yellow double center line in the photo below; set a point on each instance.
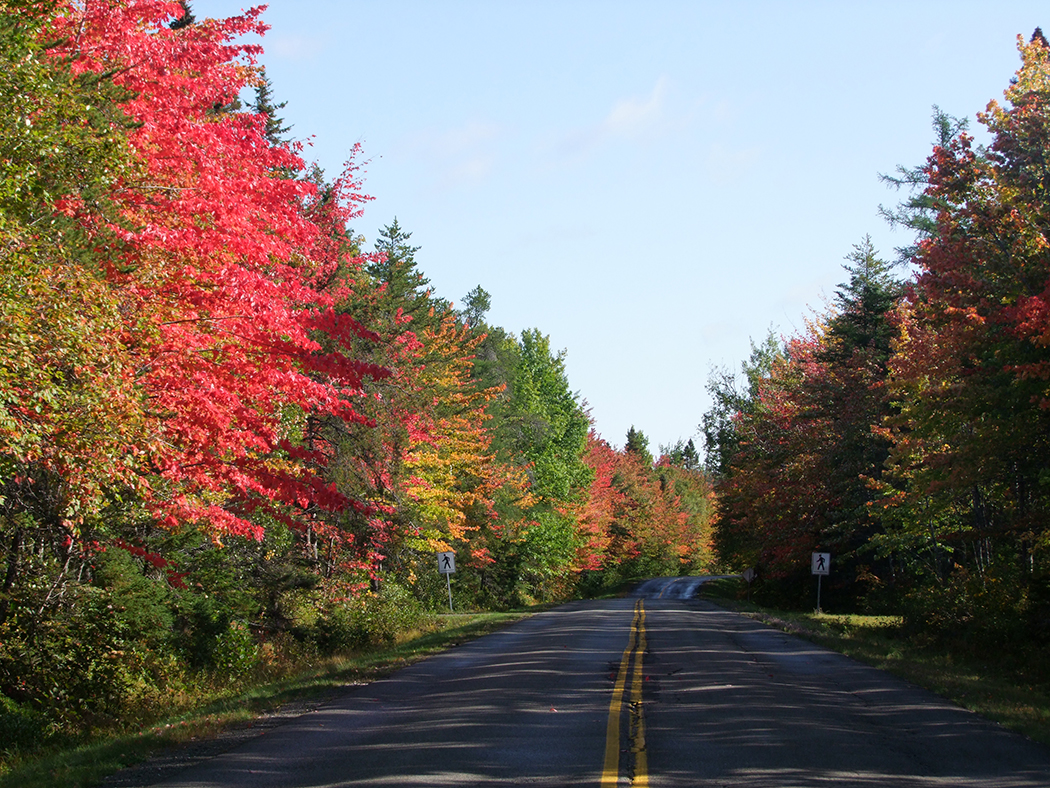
(635, 650)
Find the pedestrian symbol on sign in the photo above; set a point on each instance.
(447, 567)
(821, 564)
(447, 563)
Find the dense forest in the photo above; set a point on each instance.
(235, 431)
(907, 430)
(232, 431)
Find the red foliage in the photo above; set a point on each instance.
(642, 518)
(222, 269)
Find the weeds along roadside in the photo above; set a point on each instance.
(219, 705)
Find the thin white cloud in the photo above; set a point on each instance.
(634, 117)
(462, 156)
(638, 119)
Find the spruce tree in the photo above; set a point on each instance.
(403, 285)
(638, 445)
(863, 304)
(918, 211)
(186, 19)
(275, 130)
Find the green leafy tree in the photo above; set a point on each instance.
(538, 424)
(549, 431)
(720, 423)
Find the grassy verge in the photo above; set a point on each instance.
(87, 763)
(1008, 689)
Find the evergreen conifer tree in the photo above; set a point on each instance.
(404, 287)
(186, 19)
(638, 445)
(264, 105)
(476, 304)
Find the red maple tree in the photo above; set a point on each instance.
(226, 251)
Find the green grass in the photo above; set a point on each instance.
(1011, 688)
(87, 763)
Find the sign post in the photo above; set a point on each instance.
(820, 565)
(447, 567)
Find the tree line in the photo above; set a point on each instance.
(231, 432)
(906, 430)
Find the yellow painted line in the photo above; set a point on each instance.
(641, 758)
(611, 770)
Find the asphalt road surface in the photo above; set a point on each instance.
(659, 689)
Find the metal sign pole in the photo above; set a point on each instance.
(448, 582)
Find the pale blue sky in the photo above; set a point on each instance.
(651, 184)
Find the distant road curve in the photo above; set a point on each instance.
(674, 587)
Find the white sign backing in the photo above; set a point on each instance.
(821, 564)
(447, 563)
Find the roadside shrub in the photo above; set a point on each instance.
(72, 666)
(201, 620)
(236, 653)
(20, 726)
(975, 613)
(141, 603)
(373, 619)
(594, 583)
(284, 652)
(795, 592)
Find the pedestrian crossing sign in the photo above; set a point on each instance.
(447, 563)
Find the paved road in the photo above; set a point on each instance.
(659, 689)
